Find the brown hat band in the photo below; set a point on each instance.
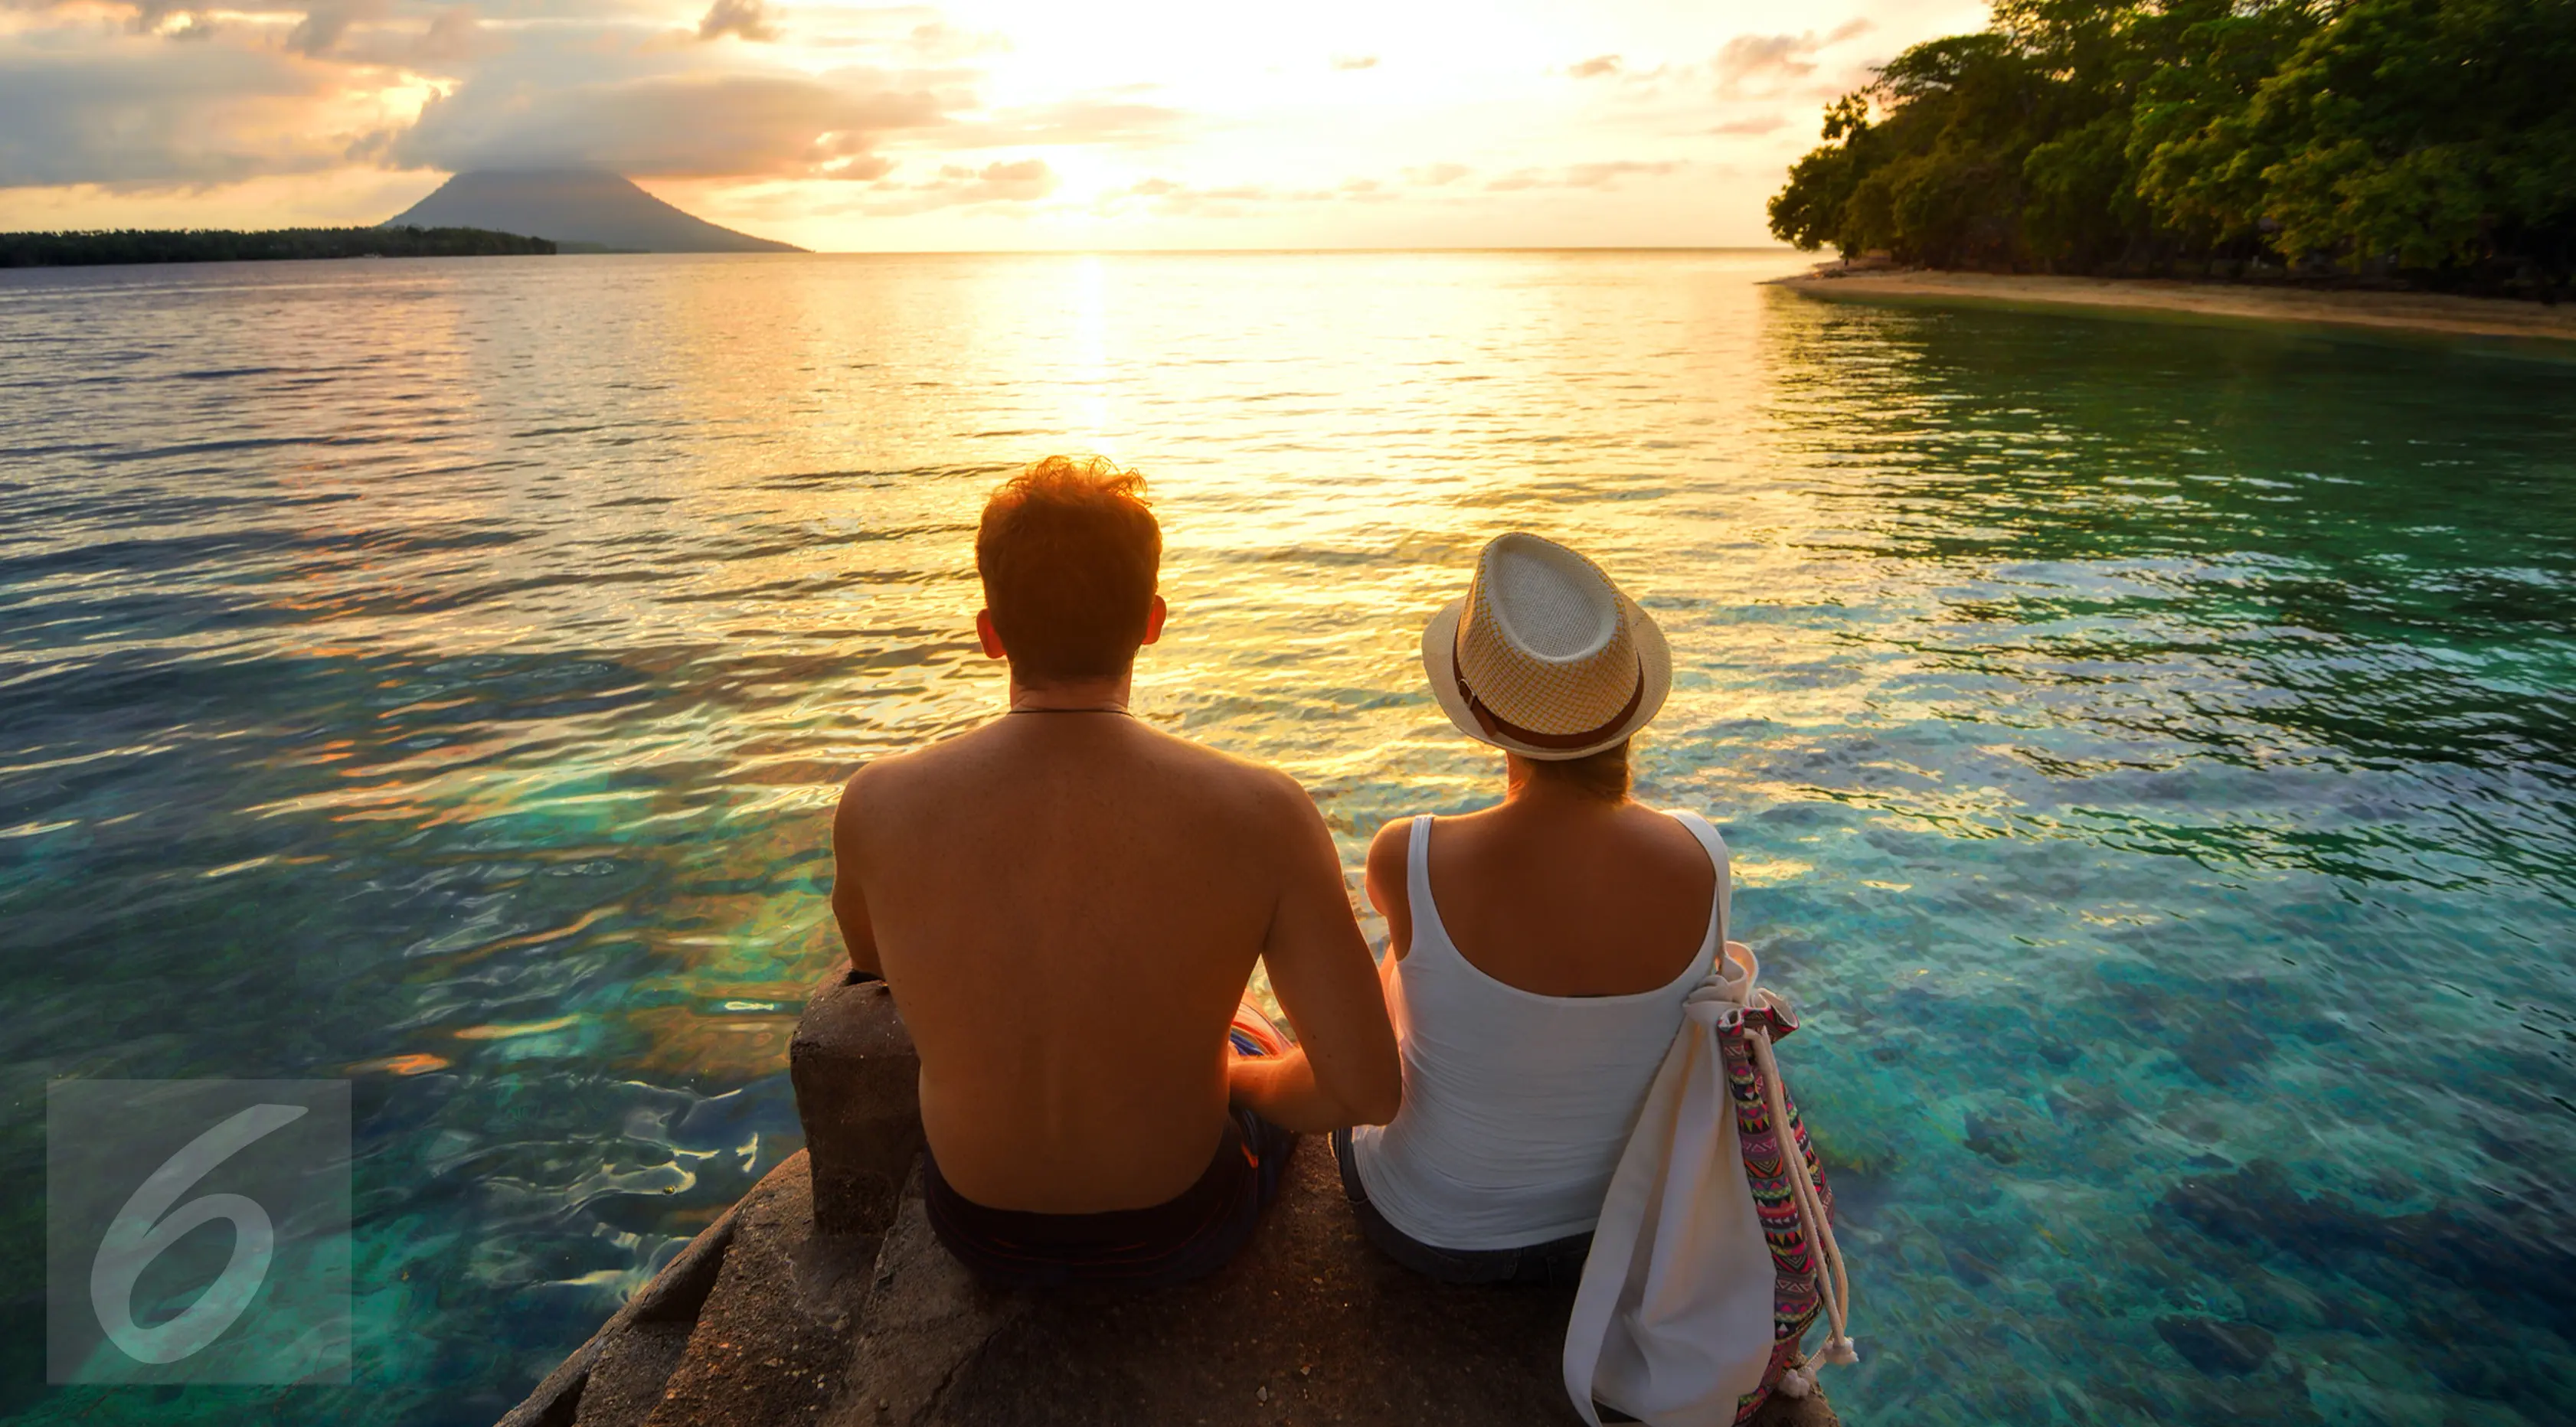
(1497, 726)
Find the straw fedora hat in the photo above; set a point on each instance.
(1544, 656)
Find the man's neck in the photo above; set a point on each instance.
(1072, 695)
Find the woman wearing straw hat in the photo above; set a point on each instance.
(1539, 949)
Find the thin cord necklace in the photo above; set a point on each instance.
(1104, 708)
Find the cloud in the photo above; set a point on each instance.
(1106, 119)
(145, 114)
(453, 35)
(1436, 175)
(1019, 182)
(1782, 58)
(1591, 175)
(941, 43)
(961, 186)
(1234, 200)
(1760, 124)
(322, 26)
(1595, 66)
(1177, 198)
(363, 33)
(1350, 62)
(746, 19)
(676, 125)
(1747, 56)
(1607, 175)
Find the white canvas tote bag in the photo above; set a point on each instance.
(1715, 1243)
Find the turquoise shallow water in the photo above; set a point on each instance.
(2150, 751)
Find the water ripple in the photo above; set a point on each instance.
(2150, 749)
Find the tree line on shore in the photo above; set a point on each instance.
(203, 245)
(2432, 141)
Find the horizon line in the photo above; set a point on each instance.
(1181, 252)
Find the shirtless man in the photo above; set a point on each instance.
(1067, 904)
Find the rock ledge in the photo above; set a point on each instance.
(822, 1298)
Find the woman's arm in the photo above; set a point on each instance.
(1387, 887)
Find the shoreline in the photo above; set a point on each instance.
(2439, 314)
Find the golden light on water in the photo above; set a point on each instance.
(1326, 463)
(472, 652)
(1325, 474)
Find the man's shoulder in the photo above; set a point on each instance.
(1228, 775)
(896, 775)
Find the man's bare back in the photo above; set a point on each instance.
(1067, 906)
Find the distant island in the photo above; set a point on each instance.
(476, 214)
(583, 210)
(208, 245)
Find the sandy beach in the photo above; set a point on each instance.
(2383, 311)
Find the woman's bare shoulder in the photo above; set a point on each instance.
(1666, 840)
(1387, 849)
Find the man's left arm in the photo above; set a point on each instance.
(1343, 1071)
(849, 900)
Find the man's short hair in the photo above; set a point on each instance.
(1069, 552)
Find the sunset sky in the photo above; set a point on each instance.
(982, 124)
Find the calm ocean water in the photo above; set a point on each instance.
(2150, 751)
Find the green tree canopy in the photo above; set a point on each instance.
(210, 245)
(2435, 137)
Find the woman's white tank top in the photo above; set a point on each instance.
(1516, 1105)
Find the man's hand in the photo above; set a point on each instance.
(1282, 1090)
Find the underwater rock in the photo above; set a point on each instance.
(2506, 1249)
(2081, 1104)
(2229, 1349)
(2460, 1290)
(2224, 1050)
(1996, 1139)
